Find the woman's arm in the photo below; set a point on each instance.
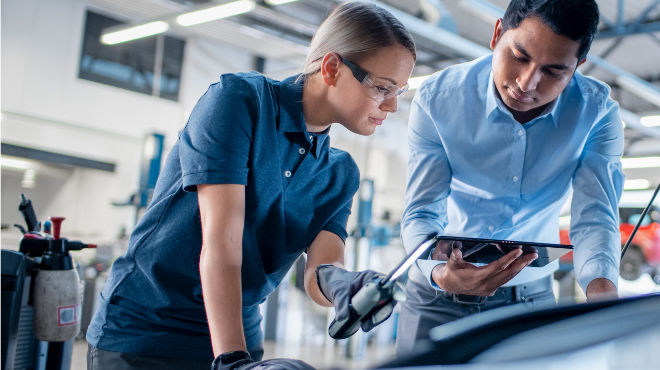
(327, 248)
(222, 209)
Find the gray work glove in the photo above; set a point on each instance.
(241, 360)
(339, 286)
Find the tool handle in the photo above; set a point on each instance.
(361, 308)
(345, 328)
(26, 209)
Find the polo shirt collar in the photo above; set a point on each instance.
(493, 101)
(291, 118)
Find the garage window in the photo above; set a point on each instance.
(130, 65)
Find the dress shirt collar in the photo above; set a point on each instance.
(291, 117)
(493, 101)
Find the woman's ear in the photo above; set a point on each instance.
(330, 68)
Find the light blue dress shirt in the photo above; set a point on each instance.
(474, 171)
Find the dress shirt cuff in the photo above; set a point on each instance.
(597, 269)
(426, 267)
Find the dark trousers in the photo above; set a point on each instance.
(427, 308)
(99, 359)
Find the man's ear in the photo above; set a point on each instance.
(496, 34)
(581, 62)
(330, 68)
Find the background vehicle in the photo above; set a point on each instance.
(643, 255)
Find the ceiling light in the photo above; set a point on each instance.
(643, 162)
(133, 33)
(15, 163)
(636, 184)
(279, 2)
(217, 12)
(650, 121)
(415, 82)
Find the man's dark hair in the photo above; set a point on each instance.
(575, 19)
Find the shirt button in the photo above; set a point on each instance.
(491, 228)
(520, 132)
(515, 178)
(301, 150)
(287, 173)
(311, 137)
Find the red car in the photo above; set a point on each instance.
(643, 255)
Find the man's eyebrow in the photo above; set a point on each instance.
(553, 66)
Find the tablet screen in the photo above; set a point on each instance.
(489, 250)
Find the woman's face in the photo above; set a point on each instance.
(355, 108)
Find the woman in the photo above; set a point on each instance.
(250, 185)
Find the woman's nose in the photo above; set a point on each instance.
(389, 105)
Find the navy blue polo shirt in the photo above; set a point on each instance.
(246, 129)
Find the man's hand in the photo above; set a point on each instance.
(461, 277)
(601, 289)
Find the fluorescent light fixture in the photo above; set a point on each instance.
(217, 12)
(650, 121)
(416, 82)
(15, 163)
(133, 33)
(643, 162)
(279, 2)
(636, 184)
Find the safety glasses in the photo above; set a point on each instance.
(378, 90)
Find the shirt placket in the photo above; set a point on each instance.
(297, 154)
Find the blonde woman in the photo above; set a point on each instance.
(250, 185)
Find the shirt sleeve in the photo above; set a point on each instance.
(214, 145)
(598, 183)
(428, 180)
(337, 224)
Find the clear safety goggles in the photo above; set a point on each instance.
(378, 90)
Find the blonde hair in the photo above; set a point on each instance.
(354, 30)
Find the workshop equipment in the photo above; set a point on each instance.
(641, 218)
(371, 300)
(41, 297)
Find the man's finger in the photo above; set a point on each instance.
(502, 263)
(514, 269)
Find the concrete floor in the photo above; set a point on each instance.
(320, 357)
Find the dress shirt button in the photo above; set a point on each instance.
(301, 150)
(287, 173)
(515, 178)
(520, 132)
(491, 228)
(311, 137)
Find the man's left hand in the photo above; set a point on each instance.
(601, 289)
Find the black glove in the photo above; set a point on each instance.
(241, 360)
(232, 361)
(339, 286)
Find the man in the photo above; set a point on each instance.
(495, 147)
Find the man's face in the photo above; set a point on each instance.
(531, 64)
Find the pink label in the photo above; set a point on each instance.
(68, 315)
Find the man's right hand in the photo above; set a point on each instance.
(460, 277)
